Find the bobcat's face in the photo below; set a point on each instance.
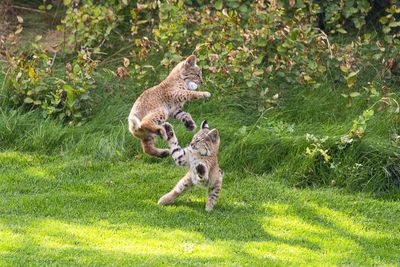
(205, 142)
(191, 73)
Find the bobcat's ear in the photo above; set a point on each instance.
(204, 125)
(214, 135)
(190, 61)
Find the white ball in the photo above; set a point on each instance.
(192, 86)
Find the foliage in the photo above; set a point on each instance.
(32, 84)
(267, 64)
(28, 77)
(339, 14)
(72, 100)
(89, 24)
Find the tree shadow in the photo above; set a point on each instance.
(267, 216)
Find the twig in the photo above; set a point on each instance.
(327, 40)
(116, 53)
(5, 78)
(29, 9)
(54, 58)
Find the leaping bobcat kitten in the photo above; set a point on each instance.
(201, 157)
(156, 104)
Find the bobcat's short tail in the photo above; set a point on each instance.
(134, 123)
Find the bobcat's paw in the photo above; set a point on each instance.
(165, 200)
(164, 153)
(209, 207)
(190, 125)
(169, 130)
(207, 94)
(162, 133)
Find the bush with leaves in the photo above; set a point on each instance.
(241, 43)
(28, 77)
(32, 84)
(89, 24)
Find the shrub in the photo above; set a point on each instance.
(32, 84)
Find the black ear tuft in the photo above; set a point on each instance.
(204, 125)
(190, 61)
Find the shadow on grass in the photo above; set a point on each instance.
(68, 208)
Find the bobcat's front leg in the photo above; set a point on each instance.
(186, 118)
(179, 188)
(186, 95)
(179, 155)
(213, 194)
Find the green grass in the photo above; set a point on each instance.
(75, 211)
(87, 195)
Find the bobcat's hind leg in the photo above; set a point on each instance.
(213, 194)
(152, 121)
(148, 145)
(179, 188)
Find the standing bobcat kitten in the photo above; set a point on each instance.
(201, 157)
(156, 104)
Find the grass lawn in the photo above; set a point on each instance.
(87, 195)
(80, 210)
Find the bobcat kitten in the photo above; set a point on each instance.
(201, 158)
(156, 104)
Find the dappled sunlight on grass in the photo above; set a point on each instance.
(92, 212)
(343, 223)
(38, 173)
(131, 239)
(9, 239)
(16, 158)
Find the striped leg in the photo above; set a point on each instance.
(186, 118)
(213, 194)
(179, 188)
(180, 155)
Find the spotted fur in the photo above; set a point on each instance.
(201, 156)
(157, 104)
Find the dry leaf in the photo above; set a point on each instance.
(121, 72)
(126, 62)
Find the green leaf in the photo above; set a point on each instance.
(367, 114)
(394, 24)
(28, 100)
(218, 4)
(344, 69)
(351, 78)
(359, 22)
(384, 20)
(386, 29)
(355, 94)
(76, 68)
(70, 93)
